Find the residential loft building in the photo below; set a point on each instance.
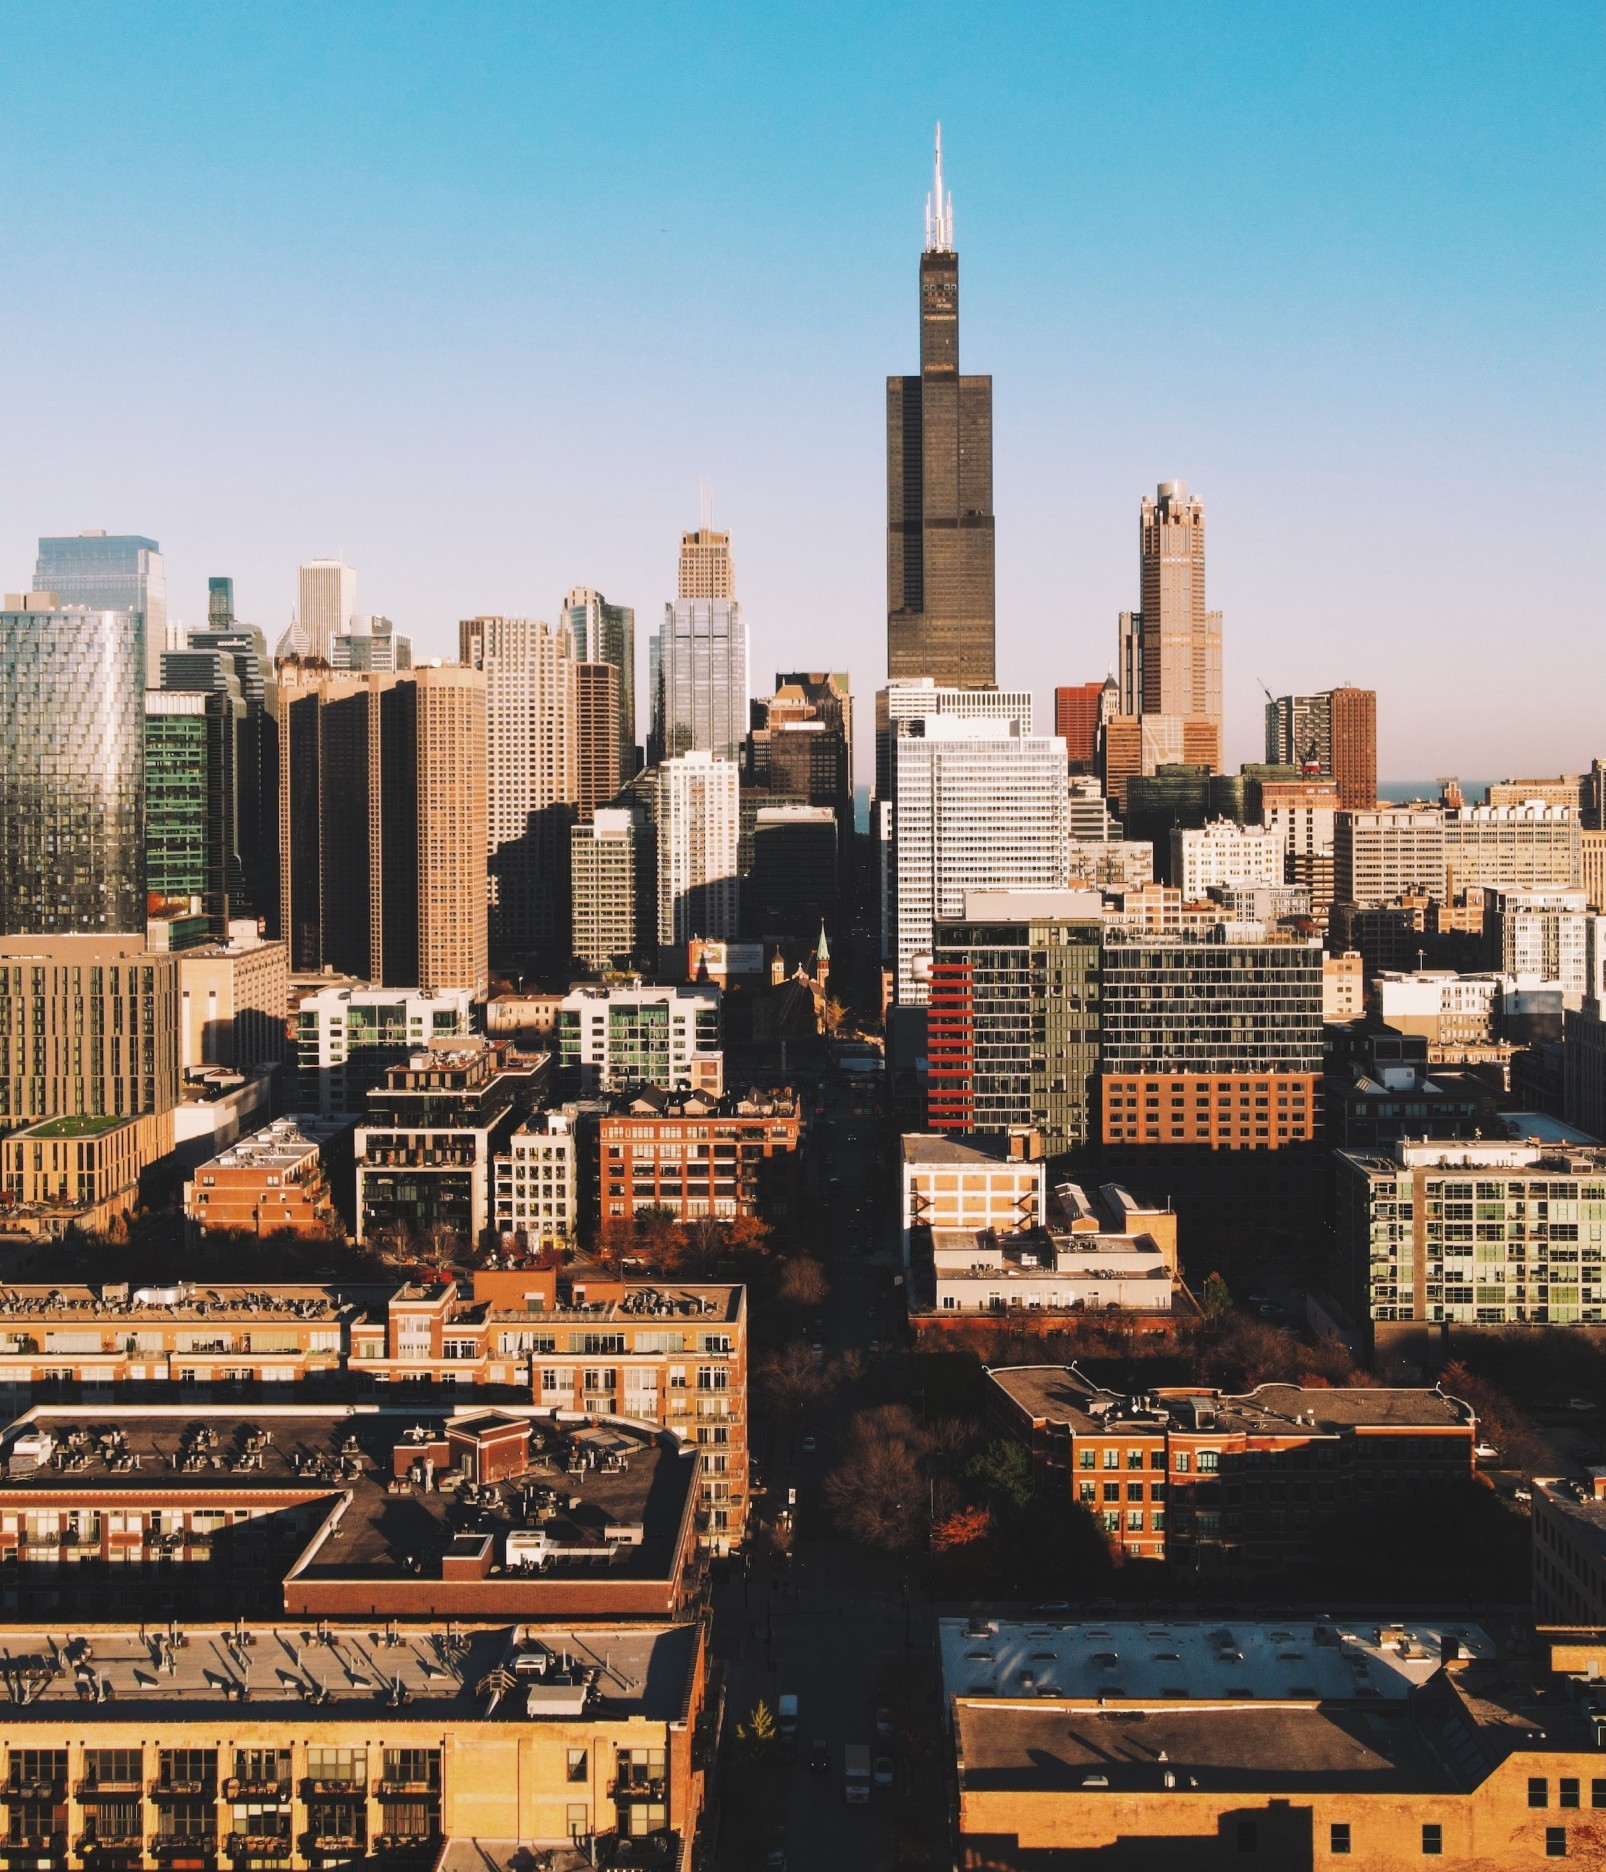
(1446, 1008)
(1545, 934)
(531, 774)
(940, 596)
(613, 889)
(606, 633)
(596, 735)
(537, 1184)
(1099, 1252)
(81, 1172)
(234, 1002)
(968, 1189)
(1309, 1742)
(345, 1039)
(698, 670)
(431, 1132)
(192, 844)
(979, 805)
(375, 1474)
(575, 1340)
(697, 1155)
(1215, 1042)
(1013, 1017)
(102, 571)
(1210, 1071)
(1109, 864)
(915, 698)
(1209, 1481)
(697, 820)
(269, 1182)
(1222, 852)
(615, 1037)
(1478, 1232)
(72, 784)
(670, 1355)
(1331, 736)
(382, 815)
(1161, 910)
(88, 1029)
(1393, 851)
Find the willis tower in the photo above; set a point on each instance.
(940, 605)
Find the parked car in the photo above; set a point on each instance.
(882, 1772)
(1522, 1494)
(809, 1445)
(775, 1858)
(819, 1756)
(1486, 1452)
(883, 1725)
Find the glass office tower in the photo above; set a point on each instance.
(72, 772)
(110, 572)
(699, 680)
(606, 633)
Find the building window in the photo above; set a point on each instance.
(1597, 1793)
(577, 1765)
(1538, 1791)
(1112, 1459)
(1209, 1461)
(1555, 1842)
(1338, 1837)
(1432, 1839)
(1567, 1792)
(1086, 1457)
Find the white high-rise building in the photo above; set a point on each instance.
(326, 605)
(978, 805)
(914, 698)
(1224, 852)
(1540, 933)
(532, 774)
(698, 814)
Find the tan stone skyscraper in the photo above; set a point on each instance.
(1170, 650)
(706, 570)
(532, 783)
(382, 824)
(597, 712)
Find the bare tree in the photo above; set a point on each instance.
(803, 1283)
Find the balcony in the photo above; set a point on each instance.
(205, 1789)
(34, 1842)
(654, 1789)
(238, 1843)
(35, 1790)
(425, 1785)
(234, 1789)
(337, 1842)
(107, 1790)
(336, 1790)
(185, 1845)
(109, 1842)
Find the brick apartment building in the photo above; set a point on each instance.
(1213, 1482)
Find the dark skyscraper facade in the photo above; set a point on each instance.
(940, 604)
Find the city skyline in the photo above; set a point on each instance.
(1322, 365)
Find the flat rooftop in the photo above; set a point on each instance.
(113, 1302)
(1195, 1660)
(1058, 1394)
(82, 1126)
(604, 1501)
(431, 1671)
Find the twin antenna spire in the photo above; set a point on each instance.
(939, 209)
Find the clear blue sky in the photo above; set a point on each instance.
(476, 294)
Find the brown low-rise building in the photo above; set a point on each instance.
(270, 1181)
(78, 1172)
(1569, 1550)
(346, 1512)
(444, 1746)
(698, 1155)
(1132, 1744)
(1211, 1481)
